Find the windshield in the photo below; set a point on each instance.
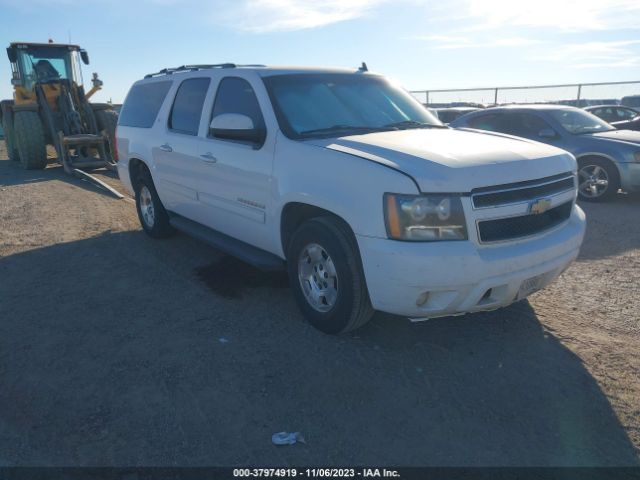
(579, 122)
(312, 105)
(45, 64)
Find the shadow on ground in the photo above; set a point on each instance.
(11, 173)
(619, 219)
(113, 352)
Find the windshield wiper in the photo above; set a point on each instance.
(338, 128)
(413, 124)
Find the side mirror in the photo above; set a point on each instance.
(12, 54)
(84, 56)
(234, 126)
(547, 133)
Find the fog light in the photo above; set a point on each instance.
(422, 299)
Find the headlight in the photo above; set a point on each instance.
(424, 218)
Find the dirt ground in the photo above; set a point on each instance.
(116, 349)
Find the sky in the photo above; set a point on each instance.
(422, 44)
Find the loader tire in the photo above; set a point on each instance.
(107, 121)
(7, 126)
(29, 140)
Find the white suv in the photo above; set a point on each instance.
(347, 181)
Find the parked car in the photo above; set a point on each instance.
(345, 180)
(623, 118)
(631, 101)
(586, 102)
(608, 159)
(448, 115)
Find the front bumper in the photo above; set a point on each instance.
(629, 176)
(462, 277)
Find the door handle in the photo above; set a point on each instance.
(208, 158)
(166, 148)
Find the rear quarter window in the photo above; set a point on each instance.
(143, 103)
(492, 122)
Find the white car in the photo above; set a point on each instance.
(347, 181)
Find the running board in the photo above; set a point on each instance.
(243, 251)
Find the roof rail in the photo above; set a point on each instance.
(191, 68)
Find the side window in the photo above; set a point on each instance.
(605, 114)
(235, 95)
(526, 125)
(492, 122)
(143, 103)
(624, 114)
(447, 117)
(187, 106)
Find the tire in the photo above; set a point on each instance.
(29, 140)
(593, 172)
(7, 126)
(349, 306)
(151, 213)
(107, 120)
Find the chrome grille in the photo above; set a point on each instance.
(521, 192)
(510, 228)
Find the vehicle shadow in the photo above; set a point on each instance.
(617, 218)
(11, 174)
(114, 352)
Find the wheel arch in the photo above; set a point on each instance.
(599, 155)
(136, 167)
(295, 213)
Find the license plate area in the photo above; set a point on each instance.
(530, 286)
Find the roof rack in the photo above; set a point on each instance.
(191, 68)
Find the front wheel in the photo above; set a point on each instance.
(598, 180)
(326, 276)
(28, 135)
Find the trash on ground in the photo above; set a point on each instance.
(287, 438)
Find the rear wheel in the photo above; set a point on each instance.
(29, 140)
(107, 120)
(326, 276)
(7, 127)
(598, 179)
(153, 217)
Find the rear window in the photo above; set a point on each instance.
(492, 122)
(143, 103)
(187, 107)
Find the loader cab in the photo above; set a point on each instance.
(47, 63)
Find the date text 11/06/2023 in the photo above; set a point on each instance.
(316, 472)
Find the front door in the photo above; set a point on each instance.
(237, 192)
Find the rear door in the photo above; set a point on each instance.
(177, 160)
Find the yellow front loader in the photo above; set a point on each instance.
(50, 107)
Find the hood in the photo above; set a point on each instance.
(627, 136)
(448, 160)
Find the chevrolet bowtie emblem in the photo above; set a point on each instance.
(539, 206)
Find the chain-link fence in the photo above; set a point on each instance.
(578, 94)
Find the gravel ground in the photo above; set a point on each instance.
(116, 349)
